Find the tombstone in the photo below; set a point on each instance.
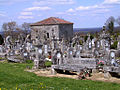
(8, 44)
(28, 46)
(77, 51)
(107, 45)
(118, 45)
(98, 44)
(96, 53)
(39, 61)
(93, 42)
(81, 48)
(78, 54)
(90, 45)
(1, 49)
(112, 58)
(25, 54)
(70, 53)
(45, 49)
(54, 57)
(59, 58)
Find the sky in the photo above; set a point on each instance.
(83, 13)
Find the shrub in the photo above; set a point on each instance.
(114, 45)
(29, 61)
(85, 38)
(48, 63)
(81, 42)
(91, 37)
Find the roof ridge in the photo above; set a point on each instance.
(52, 20)
(56, 21)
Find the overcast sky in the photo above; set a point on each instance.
(83, 13)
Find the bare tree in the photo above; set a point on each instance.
(9, 28)
(5, 29)
(110, 24)
(26, 27)
(118, 20)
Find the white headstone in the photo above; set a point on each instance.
(25, 54)
(40, 51)
(45, 49)
(58, 55)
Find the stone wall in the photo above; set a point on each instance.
(47, 31)
(63, 30)
(66, 30)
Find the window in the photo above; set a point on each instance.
(47, 35)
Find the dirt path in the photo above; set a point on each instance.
(94, 77)
(47, 73)
(100, 77)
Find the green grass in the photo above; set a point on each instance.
(29, 61)
(13, 77)
(48, 63)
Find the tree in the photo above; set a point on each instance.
(9, 28)
(110, 24)
(118, 20)
(26, 27)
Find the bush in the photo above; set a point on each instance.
(48, 63)
(29, 61)
(1, 58)
(81, 42)
(85, 38)
(91, 37)
(74, 44)
(114, 45)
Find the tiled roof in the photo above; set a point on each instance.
(51, 21)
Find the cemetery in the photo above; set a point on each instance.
(53, 40)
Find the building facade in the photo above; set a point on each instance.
(51, 28)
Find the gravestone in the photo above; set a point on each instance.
(39, 57)
(70, 52)
(112, 58)
(118, 45)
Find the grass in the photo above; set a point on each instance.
(48, 63)
(13, 77)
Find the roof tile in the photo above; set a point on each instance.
(51, 21)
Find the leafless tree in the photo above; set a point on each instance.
(9, 28)
(26, 27)
(110, 24)
(118, 20)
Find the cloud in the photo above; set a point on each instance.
(37, 8)
(53, 2)
(111, 2)
(85, 10)
(90, 7)
(26, 13)
(2, 13)
(10, 2)
(101, 11)
(70, 10)
(25, 17)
